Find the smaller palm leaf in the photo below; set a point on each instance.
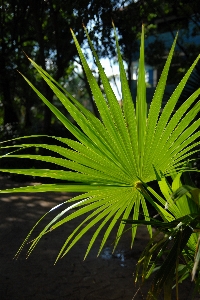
(173, 252)
(110, 153)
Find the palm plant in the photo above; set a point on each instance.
(179, 243)
(113, 155)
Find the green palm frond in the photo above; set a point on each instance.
(173, 251)
(110, 153)
(169, 255)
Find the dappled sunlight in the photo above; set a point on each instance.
(42, 200)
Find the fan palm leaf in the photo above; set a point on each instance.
(110, 154)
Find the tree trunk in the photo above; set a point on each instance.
(10, 115)
(38, 17)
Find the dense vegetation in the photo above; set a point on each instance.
(41, 29)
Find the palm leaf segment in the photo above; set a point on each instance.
(110, 154)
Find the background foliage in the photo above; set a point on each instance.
(41, 29)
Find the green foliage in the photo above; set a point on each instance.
(32, 27)
(173, 251)
(112, 155)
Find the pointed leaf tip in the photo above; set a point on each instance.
(25, 54)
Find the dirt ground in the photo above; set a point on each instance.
(108, 277)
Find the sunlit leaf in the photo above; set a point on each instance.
(113, 158)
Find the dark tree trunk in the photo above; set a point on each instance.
(38, 15)
(10, 115)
